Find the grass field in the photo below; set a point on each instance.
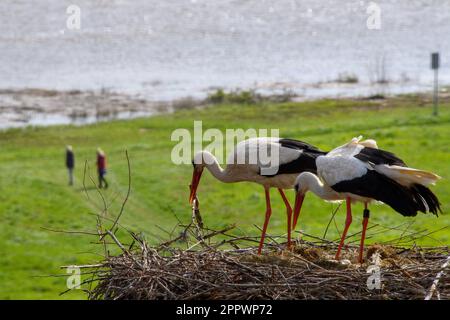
(34, 194)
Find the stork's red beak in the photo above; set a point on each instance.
(298, 206)
(196, 175)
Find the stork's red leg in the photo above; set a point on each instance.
(348, 221)
(289, 216)
(266, 220)
(366, 216)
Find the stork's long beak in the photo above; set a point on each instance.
(196, 175)
(298, 206)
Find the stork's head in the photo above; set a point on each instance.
(198, 164)
(302, 183)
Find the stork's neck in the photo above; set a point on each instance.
(310, 181)
(211, 163)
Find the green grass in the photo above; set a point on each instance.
(34, 194)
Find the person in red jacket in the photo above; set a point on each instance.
(101, 167)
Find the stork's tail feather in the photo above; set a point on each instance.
(406, 200)
(408, 176)
(415, 183)
(420, 174)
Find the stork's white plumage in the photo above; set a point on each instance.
(359, 171)
(247, 162)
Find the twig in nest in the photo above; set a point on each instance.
(331, 219)
(437, 278)
(197, 218)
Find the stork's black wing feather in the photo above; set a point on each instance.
(379, 156)
(306, 160)
(299, 145)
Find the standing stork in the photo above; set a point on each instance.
(359, 171)
(294, 157)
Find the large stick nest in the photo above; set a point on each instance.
(207, 271)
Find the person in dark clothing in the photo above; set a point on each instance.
(70, 163)
(101, 167)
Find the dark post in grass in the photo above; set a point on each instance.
(435, 67)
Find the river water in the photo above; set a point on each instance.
(166, 50)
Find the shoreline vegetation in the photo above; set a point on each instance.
(21, 108)
(37, 207)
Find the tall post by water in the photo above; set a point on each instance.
(435, 67)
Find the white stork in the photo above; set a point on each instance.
(293, 158)
(359, 171)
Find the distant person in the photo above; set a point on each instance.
(101, 167)
(70, 163)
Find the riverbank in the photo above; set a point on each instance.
(40, 107)
(28, 107)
